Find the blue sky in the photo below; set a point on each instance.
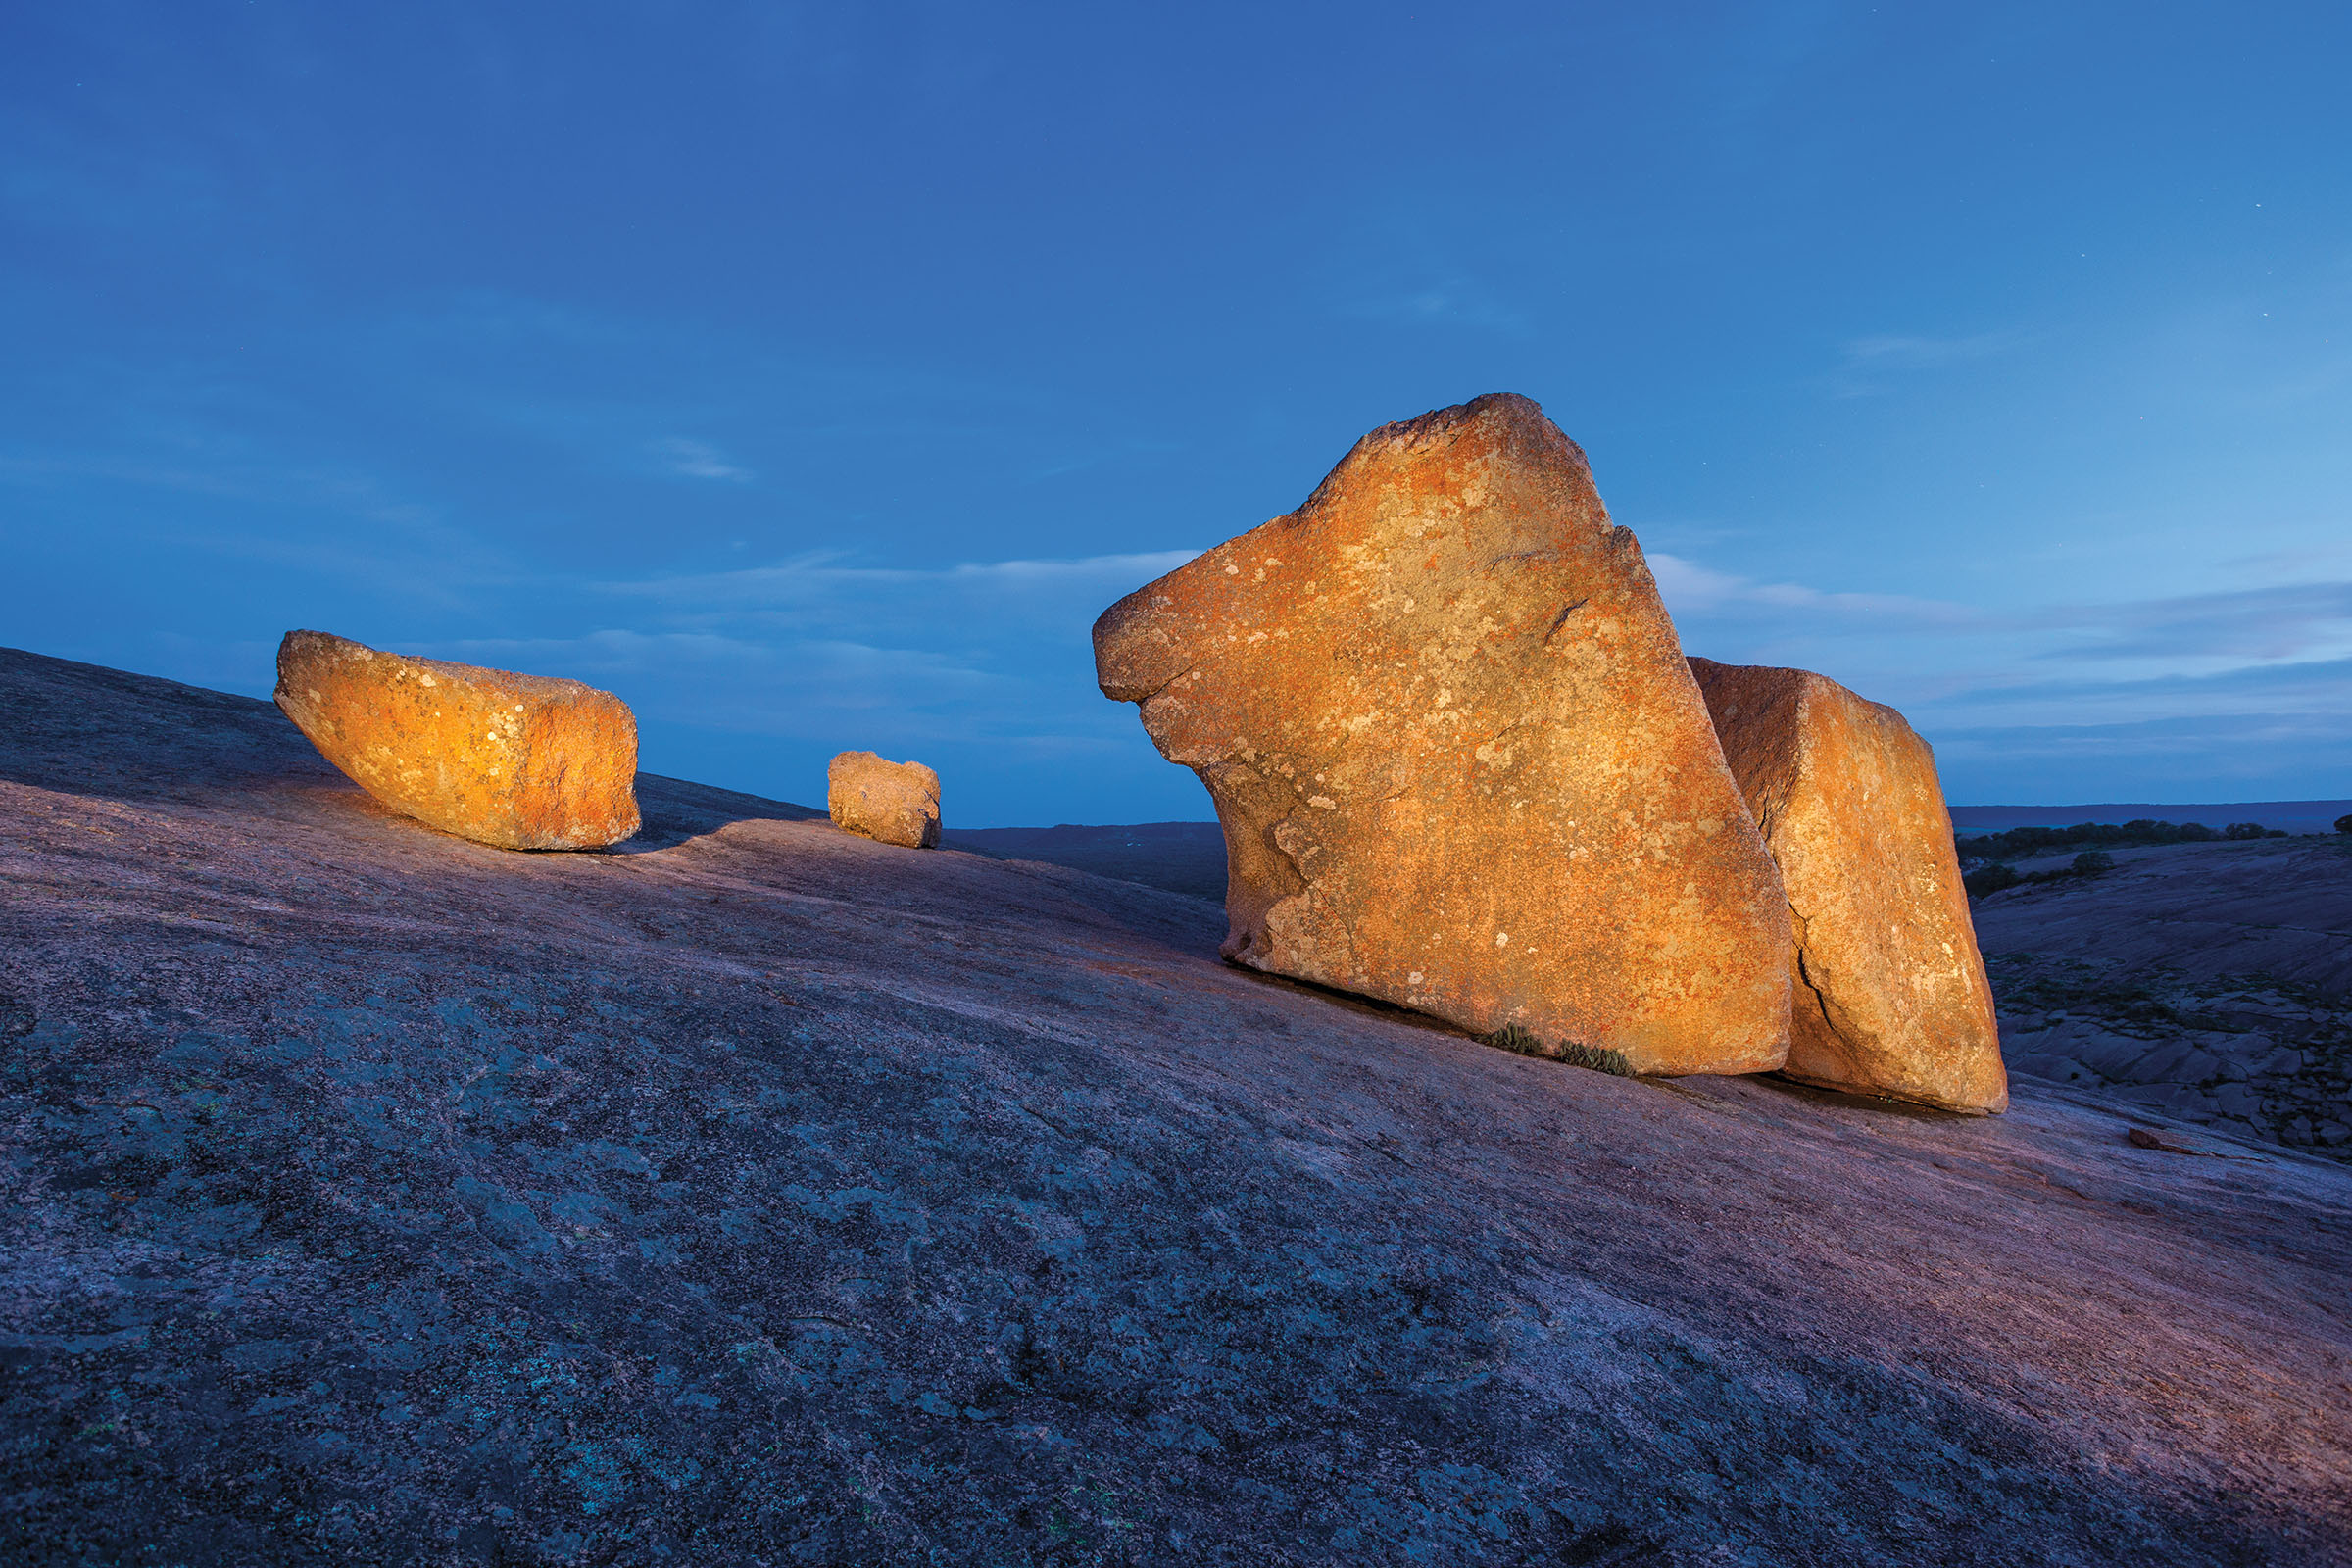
(813, 375)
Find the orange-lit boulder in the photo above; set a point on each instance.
(522, 761)
(1893, 998)
(1460, 762)
(896, 802)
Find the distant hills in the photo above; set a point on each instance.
(1189, 857)
(1178, 856)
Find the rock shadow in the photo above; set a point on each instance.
(676, 811)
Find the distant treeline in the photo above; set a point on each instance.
(1983, 857)
(2019, 842)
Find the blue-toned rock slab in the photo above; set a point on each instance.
(764, 1195)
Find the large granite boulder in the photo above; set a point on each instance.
(1894, 998)
(1459, 761)
(522, 761)
(895, 803)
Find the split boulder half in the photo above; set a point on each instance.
(522, 761)
(1892, 995)
(895, 803)
(1459, 760)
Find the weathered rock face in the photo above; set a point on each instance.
(522, 761)
(1893, 998)
(1459, 761)
(896, 802)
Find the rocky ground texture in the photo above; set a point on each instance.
(761, 1194)
(2212, 982)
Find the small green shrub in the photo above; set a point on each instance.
(1512, 1037)
(2090, 862)
(1598, 1058)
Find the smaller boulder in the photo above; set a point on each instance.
(895, 803)
(520, 761)
(1893, 998)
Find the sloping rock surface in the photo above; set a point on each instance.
(522, 761)
(2210, 982)
(1893, 998)
(1459, 760)
(764, 1195)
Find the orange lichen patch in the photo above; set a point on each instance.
(522, 761)
(1894, 998)
(894, 802)
(1459, 761)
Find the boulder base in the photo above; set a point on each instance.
(1459, 761)
(1894, 998)
(896, 802)
(522, 761)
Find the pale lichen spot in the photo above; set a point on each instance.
(1503, 939)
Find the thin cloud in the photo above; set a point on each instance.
(775, 686)
(1690, 588)
(1894, 352)
(1865, 362)
(1115, 451)
(2299, 623)
(699, 460)
(827, 577)
(1447, 301)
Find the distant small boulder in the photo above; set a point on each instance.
(893, 803)
(520, 761)
(2343, 824)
